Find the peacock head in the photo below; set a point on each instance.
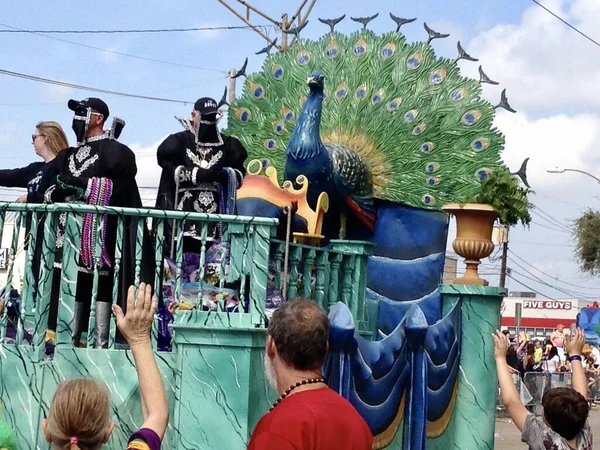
(316, 80)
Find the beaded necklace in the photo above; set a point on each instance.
(99, 194)
(294, 386)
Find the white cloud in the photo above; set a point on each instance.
(148, 170)
(560, 140)
(206, 35)
(8, 134)
(110, 56)
(53, 93)
(543, 63)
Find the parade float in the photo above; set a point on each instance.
(359, 145)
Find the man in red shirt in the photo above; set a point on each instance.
(308, 415)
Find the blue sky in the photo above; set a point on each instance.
(548, 69)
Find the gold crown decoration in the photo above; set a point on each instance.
(261, 182)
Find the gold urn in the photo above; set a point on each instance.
(474, 226)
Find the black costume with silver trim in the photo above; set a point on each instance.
(202, 154)
(97, 157)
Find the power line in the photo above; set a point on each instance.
(87, 88)
(567, 23)
(549, 228)
(115, 51)
(528, 287)
(550, 276)
(568, 292)
(147, 30)
(547, 244)
(561, 201)
(549, 218)
(552, 225)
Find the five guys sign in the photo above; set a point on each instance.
(547, 304)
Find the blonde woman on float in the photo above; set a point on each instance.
(48, 139)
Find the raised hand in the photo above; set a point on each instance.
(137, 323)
(574, 344)
(500, 345)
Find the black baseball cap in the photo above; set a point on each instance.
(94, 103)
(206, 105)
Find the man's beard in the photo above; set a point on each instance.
(270, 372)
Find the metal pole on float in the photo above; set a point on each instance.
(177, 174)
(231, 98)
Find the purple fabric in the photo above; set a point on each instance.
(148, 436)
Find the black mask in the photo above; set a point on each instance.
(81, 123)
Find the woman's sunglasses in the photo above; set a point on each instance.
(34, 137)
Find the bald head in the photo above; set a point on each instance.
(300, 330)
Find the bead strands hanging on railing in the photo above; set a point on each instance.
(158, 276)
(116, 273)
(31, 279)
(42, 307)
(92, 336)
(16, 321)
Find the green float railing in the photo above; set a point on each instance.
(245, 241)
(248, 255)
(326, 274)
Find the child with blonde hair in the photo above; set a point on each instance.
(79, 417)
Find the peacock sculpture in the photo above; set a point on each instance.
(381, 119)
(392, 133)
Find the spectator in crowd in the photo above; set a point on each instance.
(595, 355)
(551, 362)
(565, 423)
(512, 359)
(590, 368)
(539, 352)
(308, 415)
(594, 387)
(79, 415)
(528, 361)
(558, 340)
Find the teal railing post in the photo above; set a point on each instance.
(68, 282)
(355, 275)
(322, 279)
(30, 288)
(42, 307)
(260, 271)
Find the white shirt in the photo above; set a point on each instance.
(550, 365)
(596, 355)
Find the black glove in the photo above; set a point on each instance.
(74, 181)
(67, 186)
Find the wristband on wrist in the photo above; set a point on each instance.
(576, 358)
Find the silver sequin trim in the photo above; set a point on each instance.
(198, 162)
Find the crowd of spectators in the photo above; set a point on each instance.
(526, 355)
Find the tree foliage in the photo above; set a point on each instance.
(587, 238)
(502, 191)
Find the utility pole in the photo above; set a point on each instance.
(299, 18)
(285, 25)
(231, 98)
(502, 239)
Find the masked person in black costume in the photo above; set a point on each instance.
(100, 171)
(199, 164)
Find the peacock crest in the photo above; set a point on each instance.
(421, 128)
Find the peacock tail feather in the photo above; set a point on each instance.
(422, 128)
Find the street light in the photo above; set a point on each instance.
(563, 170)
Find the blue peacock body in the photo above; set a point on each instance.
(334, 168)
